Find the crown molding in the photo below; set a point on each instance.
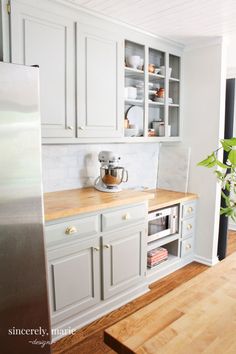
(72, 5)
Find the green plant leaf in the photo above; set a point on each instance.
(230, 142)
(232, 157)
(208, 161)
(221, 164)
(225, 146)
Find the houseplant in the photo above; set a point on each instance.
(226, 174)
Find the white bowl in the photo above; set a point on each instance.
(131, 92)
(163, 71)
(131, 132)
(159, 99)
(133, 61)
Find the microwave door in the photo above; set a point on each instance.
(158, 235)
(159, 225)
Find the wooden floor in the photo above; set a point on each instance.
(89, 340)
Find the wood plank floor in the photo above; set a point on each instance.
(89, 340)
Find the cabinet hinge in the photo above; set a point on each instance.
(8, 7)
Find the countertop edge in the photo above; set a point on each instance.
(54, 216)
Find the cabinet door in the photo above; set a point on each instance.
(124, 255)
(99, 83)
(74, 278)
(41, 38)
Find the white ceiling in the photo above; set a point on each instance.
(185, 21)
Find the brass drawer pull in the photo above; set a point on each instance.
(190, 210)
(188, 247)
(70, 230)
(189, 227)
(126, 216)
(96, 248)
(106, 246)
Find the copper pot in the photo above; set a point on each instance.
(151, 68)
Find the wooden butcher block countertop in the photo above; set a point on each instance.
(164, 198)
(68, 203)
(197, 317)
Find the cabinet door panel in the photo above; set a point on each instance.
(39, 38)
(74, 278)
(123, 260)
(99, 83)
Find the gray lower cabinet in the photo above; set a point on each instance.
(90, 272)
(74, 278)
(123, 256)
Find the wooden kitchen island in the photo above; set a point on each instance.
(197, 317)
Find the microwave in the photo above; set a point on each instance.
(163, 222)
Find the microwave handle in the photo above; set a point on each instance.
(174, 224)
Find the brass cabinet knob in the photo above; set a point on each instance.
(189, 210)
(70, 127)
(81, 128)
(70, 230)
(188, 246)
(106, 246)
(96, 248)
(189, 227)
(126, 216)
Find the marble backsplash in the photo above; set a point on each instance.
(77, 166)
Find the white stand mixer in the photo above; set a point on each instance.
(111, 174)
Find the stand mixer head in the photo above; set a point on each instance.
(111, 174)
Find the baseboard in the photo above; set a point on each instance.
(207, 261)
(232, 226)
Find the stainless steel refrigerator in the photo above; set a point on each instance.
(24, 313)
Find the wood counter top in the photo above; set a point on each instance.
(68, 203)
(196, 317)
(164, 198)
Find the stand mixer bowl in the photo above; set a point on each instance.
(113, 176)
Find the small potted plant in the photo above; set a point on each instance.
(226, 175)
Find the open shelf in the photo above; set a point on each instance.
(173, 248)
(133, 102)
(162, 241)
(173, 79)
(134, 73)
(154, 77)
(173, 105)
(153, 103)
(171, 260)
(147, 85)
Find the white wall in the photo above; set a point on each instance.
(231, 56)
(203, 102)
(77, 166)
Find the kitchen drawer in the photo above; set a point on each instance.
(72, 229)
(187, 247)
(188, 210)
(188, 227)
(124, 217)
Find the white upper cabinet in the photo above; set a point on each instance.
(99, 83)
(41, 38)
(91, 87)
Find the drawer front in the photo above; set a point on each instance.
(123, 217)
(188, 227)
(188, 210)
(72, 230)
(187, 247)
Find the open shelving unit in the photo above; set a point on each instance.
(147, 113)
(172, 245)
